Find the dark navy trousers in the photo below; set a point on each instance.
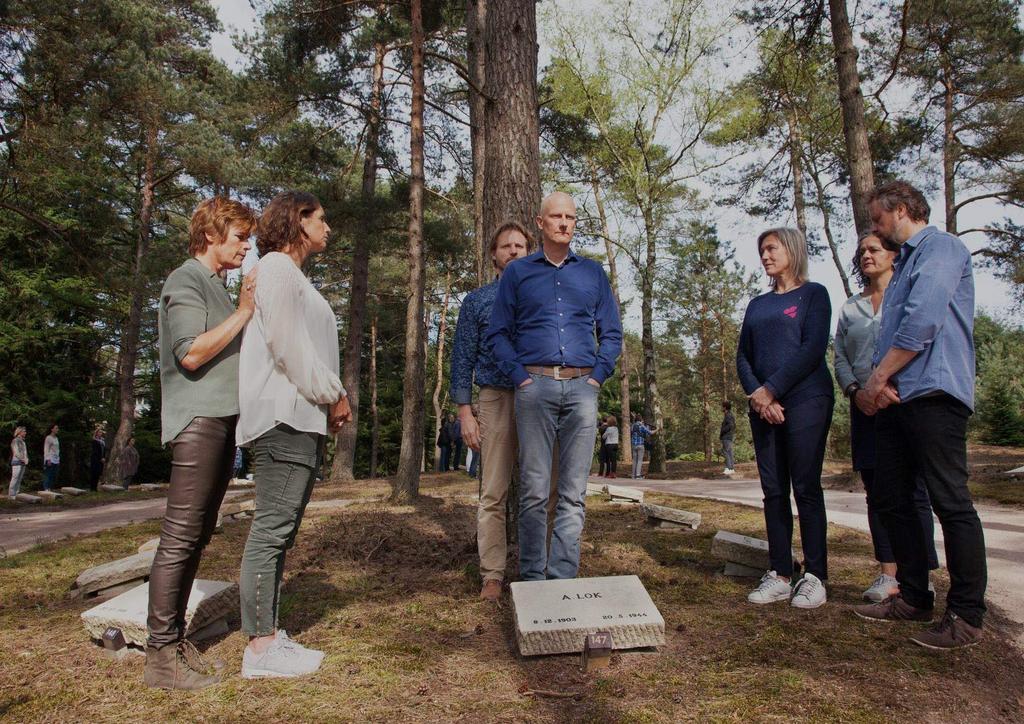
(789, 457)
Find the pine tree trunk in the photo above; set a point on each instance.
(406, 483)
(797, 167)
(512, 127)
(128, 353)
(442, 328)
(705, 382)
(613, 275)
(652, 405)
(949, 153)
(374, 417)
(476, 60)
(345, 451)
(826, 217)
(855, 131)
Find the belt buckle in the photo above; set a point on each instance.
(557, 369)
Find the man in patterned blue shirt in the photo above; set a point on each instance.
(556, 332)
(493, 436)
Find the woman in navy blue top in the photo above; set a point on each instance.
(781, 365)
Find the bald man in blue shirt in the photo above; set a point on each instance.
(555, 331)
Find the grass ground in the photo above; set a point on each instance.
(390, 593)
(87, 500)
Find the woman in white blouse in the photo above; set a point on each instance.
(290, 397)
(856, 335)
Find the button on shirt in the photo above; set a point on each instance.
(929, 309)
(547, 314)
(472, 358)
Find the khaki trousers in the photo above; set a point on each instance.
(498, 451)
(498, 454)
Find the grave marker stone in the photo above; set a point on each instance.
(555, 616)
(209, 603)
(622, 494)
(97, 580)
(112, 489)
(28, 498)
(661, 514)
(741, 549)
(73, 491)
(49, 496)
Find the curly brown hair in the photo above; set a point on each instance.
(214, 217)
(862, 278)
(281, 222)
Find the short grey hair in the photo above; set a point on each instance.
(18, 430)
(796, 246)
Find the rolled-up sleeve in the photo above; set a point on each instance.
(938, 269)
(186, 312)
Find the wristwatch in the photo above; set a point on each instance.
(851, 389)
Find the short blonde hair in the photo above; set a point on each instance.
(796, 246)
(18, 430)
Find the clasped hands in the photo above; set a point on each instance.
(876, 395)
(339, 414)
(763, 402)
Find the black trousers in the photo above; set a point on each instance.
(789, 456)
(926, 439)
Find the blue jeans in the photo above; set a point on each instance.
(50, 475)
(548, 410)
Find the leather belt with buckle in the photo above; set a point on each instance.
(558, 372)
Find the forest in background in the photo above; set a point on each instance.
(422, 124)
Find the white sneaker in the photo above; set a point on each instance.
(809, 592)
(881, 588)
(284, 658)
(770, 589)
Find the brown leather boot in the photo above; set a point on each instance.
(491, 590)
(169, 668)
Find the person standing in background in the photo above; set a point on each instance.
(610, 443)
(444, 443)
(97, 457)
(639, 434)
(51, 458)
(726, 436)
(602, 450)
(19, 461)
(129, 463)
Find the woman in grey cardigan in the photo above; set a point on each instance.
(200, 338)
(856, 335)
(19, 461)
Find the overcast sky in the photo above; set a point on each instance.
(993, 295)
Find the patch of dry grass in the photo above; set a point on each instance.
(390, 593)
(88, 500)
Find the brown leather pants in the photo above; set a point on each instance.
(203, 456)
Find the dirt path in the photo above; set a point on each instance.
(1004, 531)
(23, 530)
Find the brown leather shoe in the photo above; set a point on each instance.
(491, 590)
(169, 668)
(952, 632)
(894, 608)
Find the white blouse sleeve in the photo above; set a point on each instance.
(279, 292)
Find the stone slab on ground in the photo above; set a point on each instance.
(1016, 472)
(112, 489)
(28, 498)
(658, 513)
(738, 570)
(133, 568)
(621, 492)
(153, 486)
(73, 491)
(151, 545)
(242, 483)
(209, 603)
(555, 616)
(594, 489)
(742, 549)
(49, 496)
(239, 508)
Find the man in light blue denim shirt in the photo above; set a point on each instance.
(923, 389)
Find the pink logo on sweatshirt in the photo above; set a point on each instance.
(791, 312)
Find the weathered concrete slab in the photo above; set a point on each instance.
(153, 486)
(150, 546)
(1016, 472)
(73, 491)
(621, 492)
(242, 483)
(593, 489)
(28, 498)
(237, 509)
(751, 552)
(112, 489)
(115, 573)
(555, 616)
(208, 603)
(661, 513)
(49, 496)
(738, 570)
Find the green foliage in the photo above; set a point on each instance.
(999, 390)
